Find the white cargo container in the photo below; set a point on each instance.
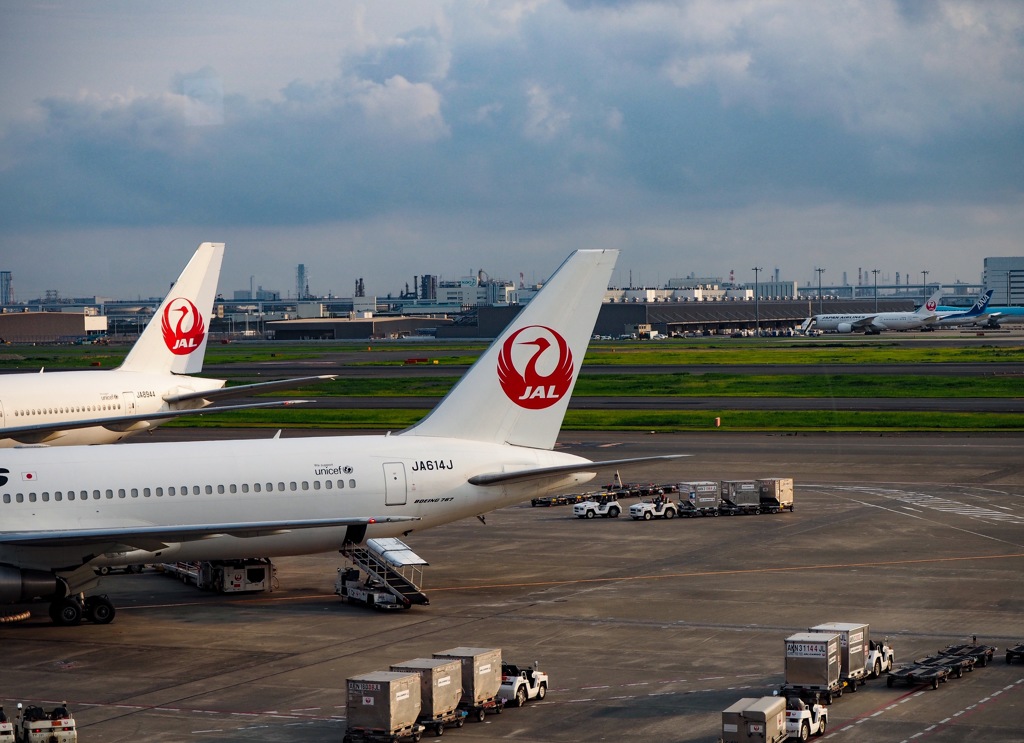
(813, 666)
(776, 494)
(753, 720)
(383, 703)
(701, 498)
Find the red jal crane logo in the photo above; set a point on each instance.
(183, 327)
(930, 305)
(533, 388)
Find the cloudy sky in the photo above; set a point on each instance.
(389, 139)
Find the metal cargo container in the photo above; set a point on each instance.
(755, 721)
(741, 492)
(812, 660)
(383, 700)
(440, 684)
(481, 672)
(853, 644)
(776, 492)
(703, 495)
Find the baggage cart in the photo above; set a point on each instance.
(853, 649)
(701, 498)
(982, 654)
(383, 707)
(776, 494)
(440, 691)
(813, 667)
(1015, 652)
(752, 720)
(740, 497)
(921, 671)
(481, 679)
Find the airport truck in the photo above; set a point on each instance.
(804, 720)
(6, 727)
(701, 498)
(752, 720)
(383, 707)
(520, 684)
(1015, 652)
(36, 725)
(659, 508)
(226, 576)
(481, 679)
(813, 667)
(605, 506)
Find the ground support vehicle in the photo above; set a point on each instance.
(804, 720)
(440, 692)
(128, 569)
(813, 667)
(6, 728)
(776, 494)
(36, 725)
(394, 574)
(1015, 653)
(521, 684)
(752, 720)
(881, 657)
(740, 497)
(659, 508)
(982, 654)
(226, 576)
(956, 664)
(559, 500)
(921, 671)
(481, 679)
(701, 498)
(605, 506)
(382, 707)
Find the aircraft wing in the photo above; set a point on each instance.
(863, 322)
(537, 473)
(37, 434)
(249, 389)
(158, 537)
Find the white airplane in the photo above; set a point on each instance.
(149, 388)
(976, 315)
(873, 323)
(66, 511)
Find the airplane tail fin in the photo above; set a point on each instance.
(928, 308)
(175, 338)
(518, 390)
(982, 304)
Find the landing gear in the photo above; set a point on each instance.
(70, 610)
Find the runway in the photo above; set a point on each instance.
(648, 629)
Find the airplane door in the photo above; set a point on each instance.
(394, 484)
(128, 399)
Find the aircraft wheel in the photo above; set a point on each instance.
(66, 612)
(98, 609)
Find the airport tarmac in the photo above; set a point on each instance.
(647, 629)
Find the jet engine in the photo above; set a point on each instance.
(17, 585)
(844, 327)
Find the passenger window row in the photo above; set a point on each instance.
(66, 409)
(109, 494)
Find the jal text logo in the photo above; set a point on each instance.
(183, 327)
(535, 367)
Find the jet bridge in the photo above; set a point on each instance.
(394, 575)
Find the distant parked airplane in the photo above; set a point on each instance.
(976, 315)
(873, 323)
(149, 388)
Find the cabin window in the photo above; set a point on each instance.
(58, 496)
(20, 497)
(121, 493)
(351, 483)
(31, 497)
(7, 497)
(232, 488)
(171, 490)
(95, 495)
(160, 492)
(341, 484)
(220, 489)
(135, 492)
(196, 490)
(293, 487)
(316, 484)
(46, 497)
(83, 495)
(280, 487)
(305, 485)
(146, 492)
(71, 495)
(110, 493)
(328, 484)
(256, 487)
(270, 487)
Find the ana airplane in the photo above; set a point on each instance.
(149, 388)
(976, 315)
(873, 323)
(65, 512)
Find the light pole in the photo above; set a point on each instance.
(924, 286)
(757, 309)
(820, 272)
(876, 271)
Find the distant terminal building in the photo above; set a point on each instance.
(1006, 277)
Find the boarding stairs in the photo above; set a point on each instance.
(392, 565)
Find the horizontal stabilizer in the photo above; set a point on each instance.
(144, 537)
(249, 389)
(537, 473)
